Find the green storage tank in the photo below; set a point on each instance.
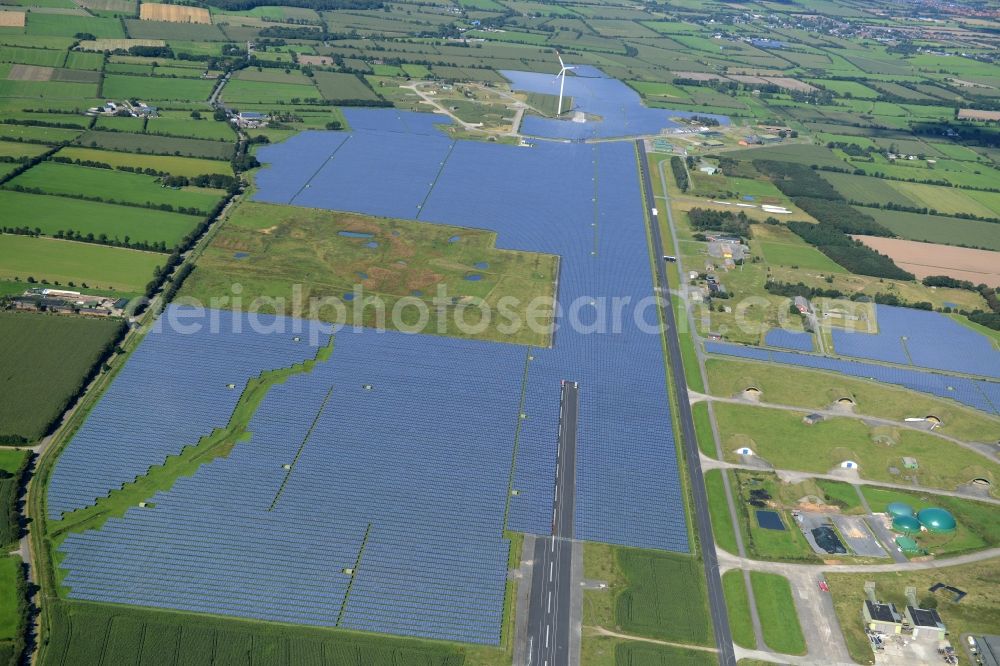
(905, 525)
(936, 520)
(900, 509)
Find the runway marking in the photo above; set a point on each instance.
(550, 602)
(547, 627)
(551, 567)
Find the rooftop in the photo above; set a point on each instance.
(882, 612)
(924, 617)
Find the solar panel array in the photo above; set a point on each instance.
(421, 462)
(924, 339)
(619, 107)
(173, 391)
(399, 453)
(980, 394)
(779, 337)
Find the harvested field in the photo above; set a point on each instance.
(976, 114)
(30, 73)
(923, 259)
(173, 13)
(699, 76)
(790, 84)
(11, 19)
(317, 60)
(115, 44)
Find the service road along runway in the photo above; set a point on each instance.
(716, 599)
(550, 608)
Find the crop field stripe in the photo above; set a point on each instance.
(302, 446)
(354, 572)
(430, 190)
(517, 433)
(319, 168)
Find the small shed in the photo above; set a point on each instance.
(812, 419)
(910, 463)
(882, 617)
(926, 623)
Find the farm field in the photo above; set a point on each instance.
(117, 86)
(10, 571)
(924, 259)
(334, 86)
(52, 214)
(195, 129)
(939, 229)
(36, 388)
(782, 247)
(258, 92)
(88, 631)
(82, 263)
(156, 145)
(646, 608)
(269, 248)
(176, 166)
(113, 187)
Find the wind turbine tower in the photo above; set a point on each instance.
(562, 81)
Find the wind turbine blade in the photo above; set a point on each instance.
(561, 63)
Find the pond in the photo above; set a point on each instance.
(355, 234)
(770, 520)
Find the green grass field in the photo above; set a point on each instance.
(257, 92)
(176, 166)
(52, 214)
(722, 522)
(196, 129)
(778, 619)
(10, 571)
(939, 229)
(638, 654)
(64, 25)
(286, 245)
(738, 606)
(113, 186)
(548, 105)
(96, 265)
(12, 463)
(338, 85)
(36, 387)
(811, 389)
(116, 634)
(117, 86)
(781, 438)
(647, 607)
(157, 145)
(781, 247)
(787, 545)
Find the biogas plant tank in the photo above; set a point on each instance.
(905, 525)
(897, 509)
(936, 520)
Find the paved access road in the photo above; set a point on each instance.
(716, 599)
(550, 607)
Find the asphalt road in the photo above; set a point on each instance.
(716, 599)
(550, 608)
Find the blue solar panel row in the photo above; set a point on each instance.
(421, 462)
(980, 394)
(173, 391)
(619, 107)
(924, 339)
(412, 441)
(798, 340)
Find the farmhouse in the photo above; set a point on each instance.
(250, 119)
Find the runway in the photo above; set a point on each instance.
(550, 609)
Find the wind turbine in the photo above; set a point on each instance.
(562, 81)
